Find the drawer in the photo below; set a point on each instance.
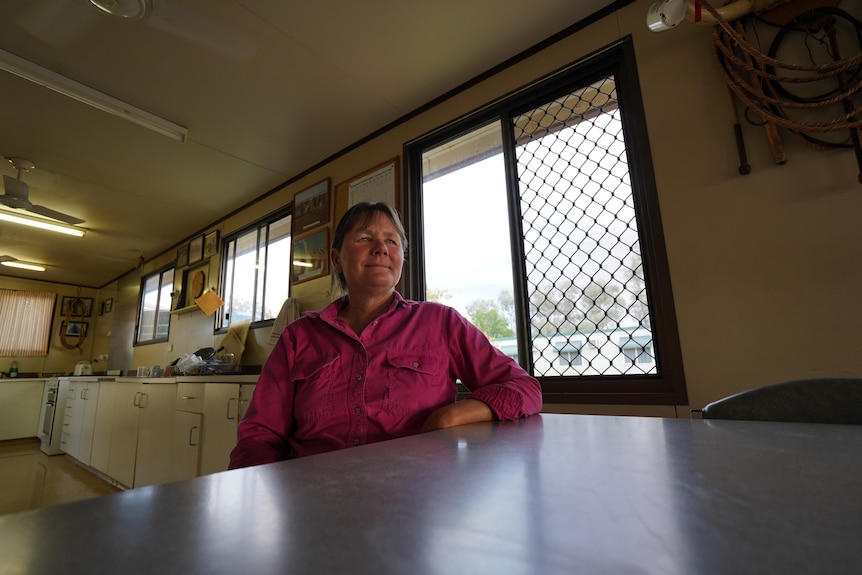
(190, 397)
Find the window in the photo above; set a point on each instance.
(25, 322)
(154, 315)
(255, 271)
(538, 219)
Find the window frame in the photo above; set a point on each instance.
(667, 387)
(263, 222)
(142, 294)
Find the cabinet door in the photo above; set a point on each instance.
(154, 463)
(221, 408)
(20, 408)
(90, 397)
(103, 426)
(186, 445)
(124, 433)
(73, 419)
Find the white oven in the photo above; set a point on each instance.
(53, 412)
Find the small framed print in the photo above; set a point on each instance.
(311, 207)
(196, 250)
(74, 328)
(183, 256)
(108, 305)
(76, 306)
(310, 256)
(211, 244)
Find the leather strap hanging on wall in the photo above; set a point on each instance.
(76, 305)
(756, 79)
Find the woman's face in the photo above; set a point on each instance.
(371, 257)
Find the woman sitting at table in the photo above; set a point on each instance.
(373, 366)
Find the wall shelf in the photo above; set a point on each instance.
(186, 309)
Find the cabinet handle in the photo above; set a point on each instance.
(189, 397)
(191, 432)
(137, 401)
(243, 402)
(144, 400)
(229, 412)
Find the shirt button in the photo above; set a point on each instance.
(415, 364)
(357, 409)
(358, 377)
(355, 442)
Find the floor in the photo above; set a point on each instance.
(29, 479)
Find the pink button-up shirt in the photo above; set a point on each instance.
(325, 388)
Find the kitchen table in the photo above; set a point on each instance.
(549, 494)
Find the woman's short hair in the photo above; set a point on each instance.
(359, 216)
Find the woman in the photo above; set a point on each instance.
(373, 366)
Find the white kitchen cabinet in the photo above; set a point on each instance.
(20, 407)
(80, 418)
(225, 404)
(126, 398)
(154, 460)
(103, 426)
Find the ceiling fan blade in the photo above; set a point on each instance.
(53, 214)
(16, 190)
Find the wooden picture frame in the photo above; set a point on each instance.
(309, 256)
(312, 207)
(211, 244)
(183, 256)
(109, 305)
(196, 250)
(76, 306)
(74, 328)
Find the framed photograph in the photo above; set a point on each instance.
(76, 306)
(109, 305)
(183, 256)
(211, 244)
(310, 256)
(311, 207)
(196, 250)
(74, 328)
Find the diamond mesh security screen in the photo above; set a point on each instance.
(588, 306)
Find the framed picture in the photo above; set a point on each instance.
(183, 256)
(211, 244)
(195, 283)
(76, 306)
(109, 305)
(310, 256)
(74, 328)
(311, 207)
(196, 250)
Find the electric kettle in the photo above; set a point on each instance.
(83, 368)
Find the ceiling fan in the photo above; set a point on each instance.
(17, 195)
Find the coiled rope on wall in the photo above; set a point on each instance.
(763, 82)
(73, 306)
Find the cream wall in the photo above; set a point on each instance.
(764, 267)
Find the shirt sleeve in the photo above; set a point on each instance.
(491, 376)
(262, 436)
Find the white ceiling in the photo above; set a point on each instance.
(266, 88)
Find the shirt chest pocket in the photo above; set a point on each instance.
(313, 385)
(416, 382)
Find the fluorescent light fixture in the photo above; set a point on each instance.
(302, 264)
(27, 221)
(23, 265)
(68, 87)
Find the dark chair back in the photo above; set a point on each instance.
(831, 400)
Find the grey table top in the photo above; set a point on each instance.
(550, 494)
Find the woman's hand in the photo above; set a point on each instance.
(460, 413)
